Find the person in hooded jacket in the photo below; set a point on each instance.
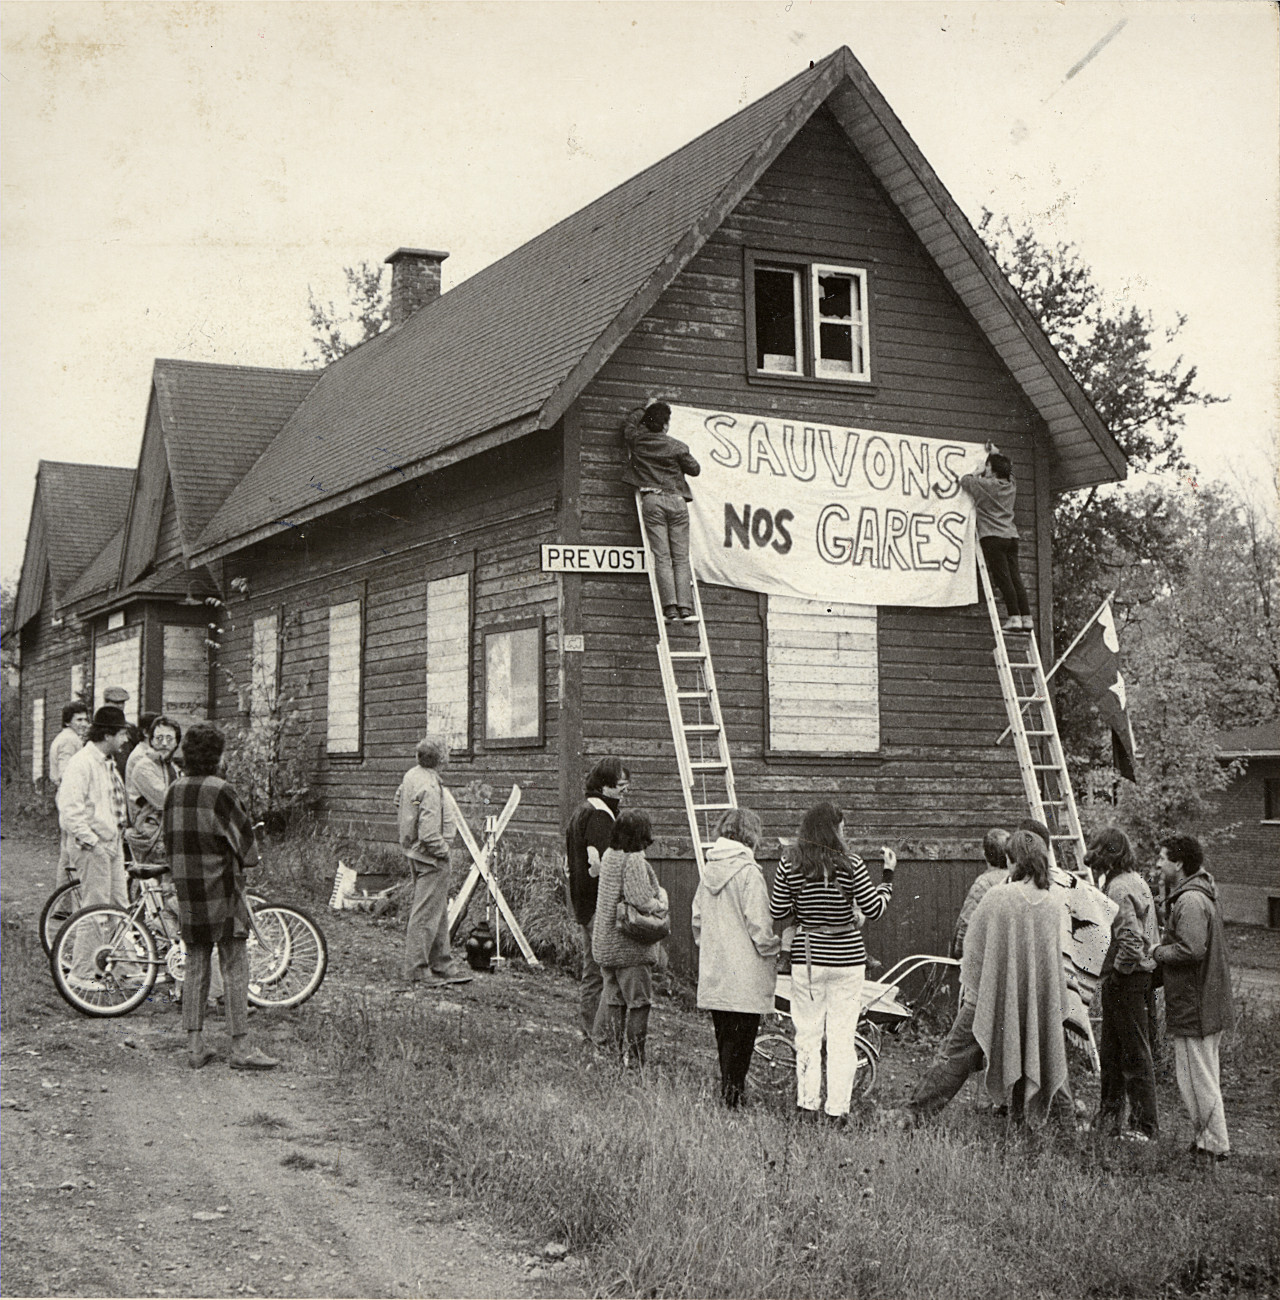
(737, 966)
(1197, 989)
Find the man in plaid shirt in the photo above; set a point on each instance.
(209, 839)
(91, 814)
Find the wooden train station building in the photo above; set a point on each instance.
(375, 530)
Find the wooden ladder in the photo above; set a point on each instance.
(1041, 759)
(693, 707)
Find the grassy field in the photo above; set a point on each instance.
(485, 1097)
(666, 1194)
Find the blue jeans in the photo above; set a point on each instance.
(666, 521)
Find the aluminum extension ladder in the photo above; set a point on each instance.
(1041, 760)
(693, 707)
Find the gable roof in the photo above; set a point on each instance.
(75, 511)
(1261, 741)
(508, 350)
(217, 420)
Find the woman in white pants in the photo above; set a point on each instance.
(818, 892)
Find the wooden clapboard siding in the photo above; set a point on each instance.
(471, 536)
(937, 774)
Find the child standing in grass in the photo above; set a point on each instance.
(829, 961)
(627, 966)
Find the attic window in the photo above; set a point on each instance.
(808, 319)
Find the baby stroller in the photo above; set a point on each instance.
(884, 1010)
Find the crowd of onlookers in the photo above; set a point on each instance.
(159, 792)
(124, 797)
(1010, 937)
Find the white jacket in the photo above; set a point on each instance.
(86, 807)
(734, 932)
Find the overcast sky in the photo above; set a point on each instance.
(175, 177)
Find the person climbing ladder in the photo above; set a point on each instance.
(657, 466)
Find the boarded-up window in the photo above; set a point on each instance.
(37, 739)
(824, 690)
(77, 681)
(513, 685)
(264, 667)
(184, 694)
(449, 660)
(344, 678)
(117, 661)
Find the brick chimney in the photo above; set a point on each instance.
(415, 280)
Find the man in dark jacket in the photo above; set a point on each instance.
(658, 465)
(1197, 988)
(586, 838)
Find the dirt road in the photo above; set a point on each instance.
(123, 1172)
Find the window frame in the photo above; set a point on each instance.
(341, 600)
(257, 715)
(539, 741)
(1270, 800)
(808, 328)
(39, 738)
(467, 749)
(811, 757)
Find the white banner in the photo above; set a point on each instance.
(792, 507)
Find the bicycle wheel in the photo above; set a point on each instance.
(114, 955)
(57, 911)
(774, 1058)
(868, 1056)
(287, 957)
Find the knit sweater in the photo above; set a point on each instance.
(993, 500)
(626, 875)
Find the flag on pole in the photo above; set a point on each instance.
(1094, 662)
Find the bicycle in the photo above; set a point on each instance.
(127, 946)
(64, 902)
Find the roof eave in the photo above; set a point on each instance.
(206, 551)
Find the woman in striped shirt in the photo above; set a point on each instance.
(818, 892)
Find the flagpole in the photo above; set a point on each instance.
(1067, 651)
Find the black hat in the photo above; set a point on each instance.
(110, 718)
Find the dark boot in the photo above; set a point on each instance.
(637, 1032)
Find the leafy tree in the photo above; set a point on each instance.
(366, 314)
(1100, 534)
(1195, 566)
(1201, 652)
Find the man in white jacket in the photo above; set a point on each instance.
(737, 964)
(92, 815)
